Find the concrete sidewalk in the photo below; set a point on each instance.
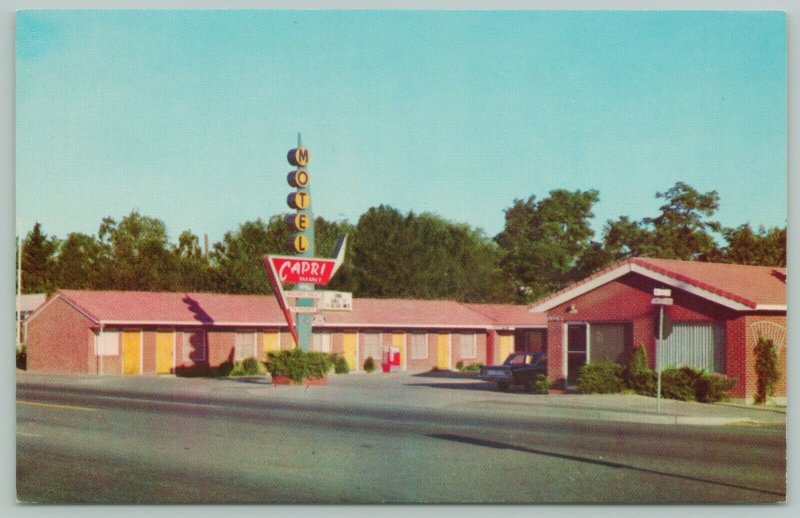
(451, 394)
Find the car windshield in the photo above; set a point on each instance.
(522, 358)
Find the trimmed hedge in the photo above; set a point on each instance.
(638, 376)
(340, 365)
(766, 369)
(298, 364)
(248, 367)
(710, 388)
(603, 377)
(679, 383)
(541, 385)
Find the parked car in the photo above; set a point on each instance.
(520, 368)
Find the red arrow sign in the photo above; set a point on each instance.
(302, 270)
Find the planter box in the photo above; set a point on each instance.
(286, 380)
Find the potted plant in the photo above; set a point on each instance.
(298, 366)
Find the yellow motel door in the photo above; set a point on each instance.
(349, 344)
(506, 345)
(131, 352)
(443, 351)
(165, 347)
(271, 342)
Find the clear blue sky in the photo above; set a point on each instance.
(187, 115)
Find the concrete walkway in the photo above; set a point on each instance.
(446, 393)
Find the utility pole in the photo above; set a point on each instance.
(19, 281)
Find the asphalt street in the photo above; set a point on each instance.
(93, 441)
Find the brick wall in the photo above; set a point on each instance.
(422, 364)
(220, 347)
(628, 300)
(60, 340)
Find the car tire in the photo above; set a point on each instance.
(528, 386)
(503, 386)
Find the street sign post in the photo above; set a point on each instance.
(661, 297)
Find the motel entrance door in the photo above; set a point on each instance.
(576, 351)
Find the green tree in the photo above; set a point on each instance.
(425, 256)
(381, 254)
(38, 262)
(765, 247)
(138, 254)
(238, 258)
(624, 238)
(81, 263)
(681, 231)
(544, 241)
(194, 270)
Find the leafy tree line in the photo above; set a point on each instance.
(545, 244)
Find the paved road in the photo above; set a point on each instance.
(85, 444)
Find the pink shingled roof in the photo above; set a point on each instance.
(748, 285)
(510, 314)
(143, 307)
(188, 308)
(407, 312)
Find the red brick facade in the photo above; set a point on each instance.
(627, 299)
(69, 338)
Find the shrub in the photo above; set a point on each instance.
(298, 364)
(766, 369)
(710, 388)
(679, 383)
(340, 365)
(460, 365)
(472, 367)
(603, 377)
(541, 385)
(248, 367)
(638, 376)
(22, 357)
(369, 364)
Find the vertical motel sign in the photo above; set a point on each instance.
(304, 270)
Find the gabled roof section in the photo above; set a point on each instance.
(739, 287)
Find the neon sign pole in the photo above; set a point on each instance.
(303, 222)
(303, 270)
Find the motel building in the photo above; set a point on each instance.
(717, 313)
(136, 333)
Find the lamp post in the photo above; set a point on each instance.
(661, 297)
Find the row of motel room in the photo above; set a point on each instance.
(718, 313)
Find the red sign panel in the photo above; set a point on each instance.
(303, 270)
